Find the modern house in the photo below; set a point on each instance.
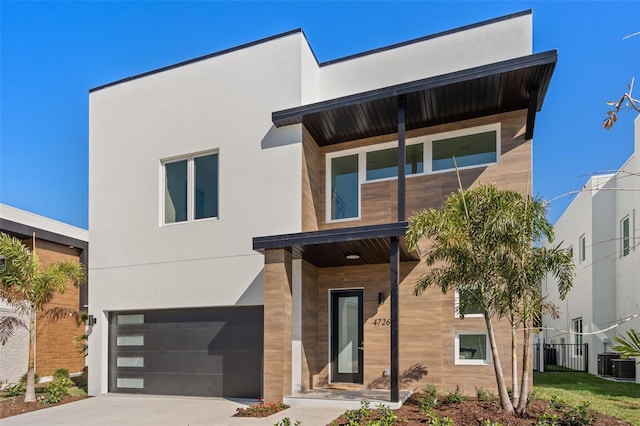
(601, 225)
(55, 341)
(248, 211)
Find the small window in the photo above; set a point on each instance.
(465, 301)
(468, 150)
(583, 248)
(130, 383)
(625, 236)
(133, 361)
(135, 340)
(576, 330)
(570, 251)
(472, 348)
(383, 163)
(191, 188)
(131, 319)
(345, 187)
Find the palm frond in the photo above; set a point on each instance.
(8, 326)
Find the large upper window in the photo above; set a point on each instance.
(472, 348)
(469, 150)
(191, 188)
(348, 170)
(345, 187)
(384, 163)
(625, 236)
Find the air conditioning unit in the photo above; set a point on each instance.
(623, 368)
(604, 363)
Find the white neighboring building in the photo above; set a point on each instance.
(601, 225)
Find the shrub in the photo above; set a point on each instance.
(61, 373)
(20, 387)
(485, 395)
(15, 389)
(547, 419)
(287, 422)
(387, 416)
(56, 390)
(455, 397)
(491, 423)
(429, 399)
(76, 391)
(434, 420)
(580, 415)
(261, 409)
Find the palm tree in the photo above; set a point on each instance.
(482, 240)
(28, 288)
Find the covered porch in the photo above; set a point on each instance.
(331, 312)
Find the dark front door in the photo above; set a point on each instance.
(347, 348)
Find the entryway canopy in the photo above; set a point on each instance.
(370, 244)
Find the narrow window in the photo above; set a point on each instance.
(468, 150)
(206, 186)
(384, 163)
(625, 236)
(175, 196)
(345, 195)
(583, 248)
(570, 251)
(576, 329)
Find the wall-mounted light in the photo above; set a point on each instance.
(380, 298)
(352, 256)
(91, 320)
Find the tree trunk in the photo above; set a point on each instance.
(515, 392)
(30, 394)
(526, 362)
(505, 402)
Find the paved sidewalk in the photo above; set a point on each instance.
(114, 410)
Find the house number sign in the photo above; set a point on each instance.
(382, 321)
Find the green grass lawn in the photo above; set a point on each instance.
(621, 400)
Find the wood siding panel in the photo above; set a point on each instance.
(310, 182)
(427, 332)
(309, 324)
(277, 324)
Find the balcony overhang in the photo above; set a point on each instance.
(329, 247)
(511, 85)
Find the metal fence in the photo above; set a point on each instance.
(561, 357)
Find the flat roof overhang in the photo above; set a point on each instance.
(328, 248)
(511, 85)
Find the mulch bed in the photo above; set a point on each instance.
(16, 405)
(473, 412)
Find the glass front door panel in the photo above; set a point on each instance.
(346, 336)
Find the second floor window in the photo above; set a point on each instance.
(583, 248)
(625, 236)
(191, 188)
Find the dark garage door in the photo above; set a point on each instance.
(198, 352)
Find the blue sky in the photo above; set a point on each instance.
(52, 53)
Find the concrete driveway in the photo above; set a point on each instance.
(113, 410)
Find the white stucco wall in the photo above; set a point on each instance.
(14, 355)
(499, 41)
(606, 289)
(222, 103)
